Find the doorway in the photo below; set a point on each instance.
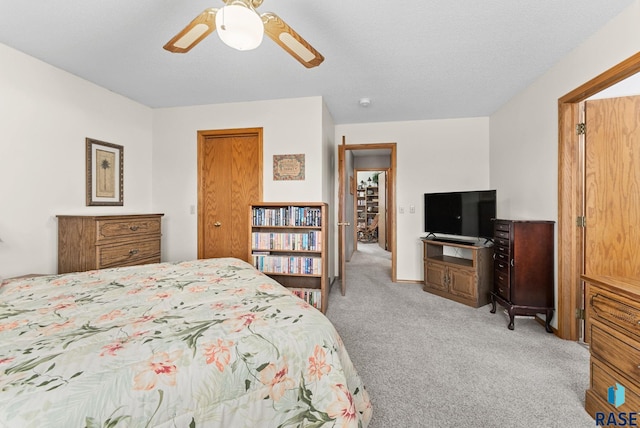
(374, 157)
(229, 180)
(571, 199)
(370, 210)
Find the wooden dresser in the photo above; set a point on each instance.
(97, 242)
(523, 256)
(612, 329)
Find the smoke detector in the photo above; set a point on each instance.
(365, 102)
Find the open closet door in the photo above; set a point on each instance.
(612, 186)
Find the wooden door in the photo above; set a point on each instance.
(382, 209)
(229, 180)
(342, 218)
(570, 190)
(612, 187)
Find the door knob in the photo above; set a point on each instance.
(217, 224)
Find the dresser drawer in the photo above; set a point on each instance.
(502, 258)
(499, 248)
(502, 266)
(117, 229)
(615, 310)
(501, 284)
(501, 242)
(128, 254)
(500, 234)
(603, 377)
(502, 226)
(616, 349)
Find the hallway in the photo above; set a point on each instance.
(370, 257)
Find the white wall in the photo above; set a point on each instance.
(524, 133)
(628, 87)
(328, 171)
(45, 116)
(290, 126)
(432, 155)
(383, 161)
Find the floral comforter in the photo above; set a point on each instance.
(208, 343)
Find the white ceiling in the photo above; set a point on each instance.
(427, 59)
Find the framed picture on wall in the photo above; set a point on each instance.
(105, 173)
(288, 167)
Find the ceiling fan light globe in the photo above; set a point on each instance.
(239, 27)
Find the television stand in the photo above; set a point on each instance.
(451, 241)
(464, 280)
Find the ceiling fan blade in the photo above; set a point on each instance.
(203, 25)
(290, 41)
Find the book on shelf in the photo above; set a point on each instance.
(300, 241)
(293, 265)
(287, 216)
(310, 295)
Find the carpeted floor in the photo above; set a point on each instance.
(430, 362)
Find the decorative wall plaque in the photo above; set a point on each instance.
(288, 167)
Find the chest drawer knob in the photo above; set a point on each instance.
(133, 252)
(134, 228)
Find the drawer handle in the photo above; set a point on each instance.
(605, 307)
(133, 252)
(134, 228)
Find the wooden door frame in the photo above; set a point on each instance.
(570, 190)
(342, 218)
(391, 192)
(222, 133)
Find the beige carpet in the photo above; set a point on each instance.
(430, 362)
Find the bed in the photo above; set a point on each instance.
(206, 343)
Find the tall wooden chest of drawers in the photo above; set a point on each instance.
(523, 264)
(612, 329)
(97, 242)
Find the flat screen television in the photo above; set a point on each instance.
(466, 214)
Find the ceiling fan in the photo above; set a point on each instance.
(241, 27)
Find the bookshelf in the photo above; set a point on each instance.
(366, 209)
(288, 242)
(371, 199)
(361, 207)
